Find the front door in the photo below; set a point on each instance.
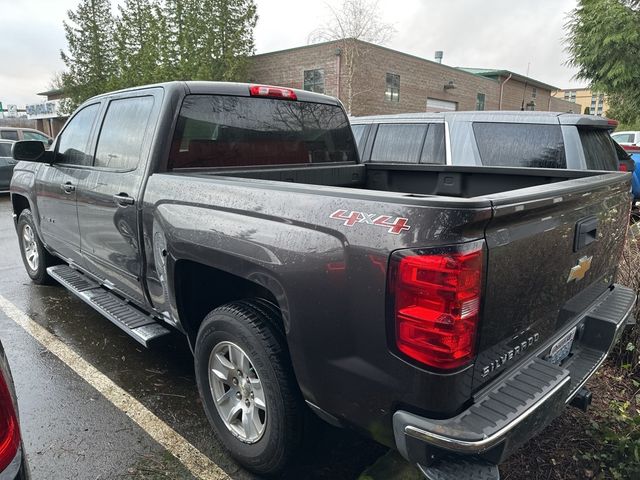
(108, 198)
(56, 184)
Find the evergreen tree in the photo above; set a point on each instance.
(89, 60)
(210, 39)
(226, 39)
(156, 40)
(138, 53)
(603, 43)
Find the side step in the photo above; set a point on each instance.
(459, 468)
(143, 328)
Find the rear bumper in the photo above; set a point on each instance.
(521, 402)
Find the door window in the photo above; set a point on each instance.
(74, 139)
(520, 145)
(122, 133)
(398, 143)
(9, 134)
(433, 151)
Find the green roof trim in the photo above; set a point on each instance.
(494, 74)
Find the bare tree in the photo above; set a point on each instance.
(354, 22)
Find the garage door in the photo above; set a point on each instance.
(435, 105)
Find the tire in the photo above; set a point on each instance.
(254, 327)
(35, 257)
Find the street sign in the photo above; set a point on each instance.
(12, 111)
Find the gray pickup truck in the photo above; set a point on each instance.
(450, 312)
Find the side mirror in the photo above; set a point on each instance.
(31, 151)
(50, 141)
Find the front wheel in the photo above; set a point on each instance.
(247, 385)
(35, 256)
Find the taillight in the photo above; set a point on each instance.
(435, 297)
(623, 167)
(9, 429)
(272, 92)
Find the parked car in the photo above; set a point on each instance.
(19, 133)
(631, 165)
(13, 462)
(630, 141)
(6, 164)
(448, 311)
(507, 139)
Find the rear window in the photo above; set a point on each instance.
(5, 149)
(224, 131)
(520, 145)
(599, 150)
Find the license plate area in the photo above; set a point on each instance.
(561, 349)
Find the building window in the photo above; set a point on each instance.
(392, 93)
(534, 92)
(314, 80)
(480, 101)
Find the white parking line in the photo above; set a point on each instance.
(193, 459)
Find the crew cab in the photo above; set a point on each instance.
(447, 311)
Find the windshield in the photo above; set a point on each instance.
(225, 131)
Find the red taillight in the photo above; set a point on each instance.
(623, 167)
(9, 429)
(436, 304)
(272, 92)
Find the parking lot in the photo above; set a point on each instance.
(72, 430)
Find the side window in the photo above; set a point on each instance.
(35, 136)
(122, 133)
(358, 132)
(399, 143)
(74, 139)
(599, 150)
(520, 145)
(9, 134)
(433, 151)
(623, 137)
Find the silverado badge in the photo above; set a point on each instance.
(579, 271)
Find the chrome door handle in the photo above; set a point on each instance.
(68, 187)
(123, 199)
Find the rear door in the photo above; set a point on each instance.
(56, 184)
(108, 198)
(551, 253)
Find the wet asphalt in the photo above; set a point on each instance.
(70, 431)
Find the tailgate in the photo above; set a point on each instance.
(552, 250)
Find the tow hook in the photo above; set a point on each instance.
(582, 400)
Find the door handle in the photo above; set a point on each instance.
(68, 187)
(123, 199)
(586, 232)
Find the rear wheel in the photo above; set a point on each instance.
(35, 257)
(247, 385)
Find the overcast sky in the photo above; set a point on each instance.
(502, 34)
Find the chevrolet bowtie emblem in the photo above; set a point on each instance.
(579, 271)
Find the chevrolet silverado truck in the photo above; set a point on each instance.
(449, 312)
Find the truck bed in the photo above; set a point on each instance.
(450, 181)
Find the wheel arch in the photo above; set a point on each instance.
(200, 288)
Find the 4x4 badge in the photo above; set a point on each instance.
(579, 271)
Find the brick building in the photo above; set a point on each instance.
(386, 81)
